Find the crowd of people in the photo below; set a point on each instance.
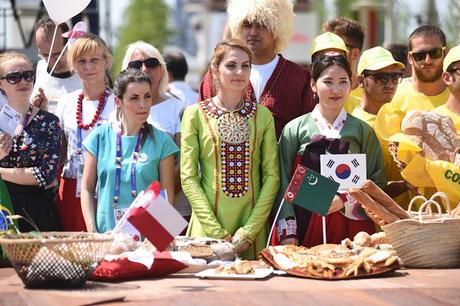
(83, 150)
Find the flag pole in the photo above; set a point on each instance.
(324, 230)
(274, 223)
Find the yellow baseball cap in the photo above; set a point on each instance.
(452, 56)
(326, 41)
(377, 58)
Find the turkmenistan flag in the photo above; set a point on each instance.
(311, 190)
(6, 209)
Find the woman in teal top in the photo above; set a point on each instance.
(123, 158)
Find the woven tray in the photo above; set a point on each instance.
(59, 259)
(267, 257)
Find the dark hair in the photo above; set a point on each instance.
(399, 52)
(126, 77)
(176, 65)
(347, 28)
(48, 25)
(427, 30)
(324, 61)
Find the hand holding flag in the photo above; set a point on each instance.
(309, 190)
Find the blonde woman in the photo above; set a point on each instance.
(80, 112)
(29, 159)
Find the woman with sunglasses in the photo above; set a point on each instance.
(29, 158)
(124, 157)
(327, 129)
(80, 112)
(166, 111)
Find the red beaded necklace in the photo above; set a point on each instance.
(99, 109)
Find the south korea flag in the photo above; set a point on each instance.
(349, 170)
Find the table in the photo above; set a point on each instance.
(404, 287)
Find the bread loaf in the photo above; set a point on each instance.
(375, 208)
(381, 197)
(435, 133)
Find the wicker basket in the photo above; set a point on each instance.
(58, 260)
(427, 240)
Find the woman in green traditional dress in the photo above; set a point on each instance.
(328, 129)
(229, 161)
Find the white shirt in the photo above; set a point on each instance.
(260, 74)
(54, 87)
(67, 111)
(184, 92)
(166, 115)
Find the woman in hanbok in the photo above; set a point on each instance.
(229, 163)
(327, 129)
(126, 156)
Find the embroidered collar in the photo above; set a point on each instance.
(247, 110)
(323, 127)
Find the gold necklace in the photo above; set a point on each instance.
(232, 128)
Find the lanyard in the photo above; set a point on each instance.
(79, 129)
(135, 157)
(25, 120)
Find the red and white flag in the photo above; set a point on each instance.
(155, 218)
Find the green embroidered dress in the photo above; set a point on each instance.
(229, 186)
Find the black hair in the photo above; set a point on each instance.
(324, 61)
(176, 65)
(48, 26)
(427, 30)
(399, 52)
(126, 77)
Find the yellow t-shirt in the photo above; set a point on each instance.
(406, 98)
(358, 92)
(455, 118)
(351, 103)
(360, 113)
(390, 116)
(391, 170)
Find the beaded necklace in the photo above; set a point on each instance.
(97, 114)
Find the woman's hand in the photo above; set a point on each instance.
(5, 145)
(240, 243)
(40, 100)
(337, 204)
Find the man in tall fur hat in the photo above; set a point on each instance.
(277, 83)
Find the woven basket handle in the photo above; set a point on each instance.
(415, 199)
(424, 207)
(444, 200)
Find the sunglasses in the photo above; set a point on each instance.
(382, 78)
(433, 53)
(148, 63)
(16, 77)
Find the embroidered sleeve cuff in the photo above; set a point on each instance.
(39, 177)
(286, 228)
